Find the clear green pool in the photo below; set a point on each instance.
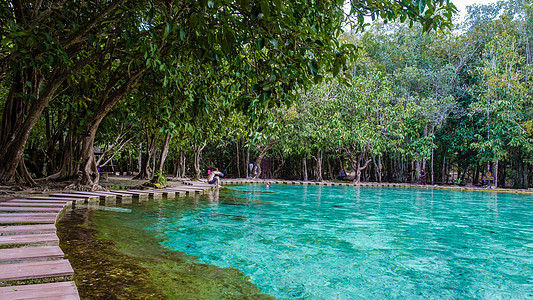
(319, 242)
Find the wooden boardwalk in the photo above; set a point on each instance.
(29, 239)
(28, 253)
(27, 218)
(32, 203)
(36, 269)
(25, 229)
(57, 290)
(29, 249)
(29, 208)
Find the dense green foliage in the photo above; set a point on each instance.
(188, 61)
(182, 86)
(456, 105)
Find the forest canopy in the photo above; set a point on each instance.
(176, 87)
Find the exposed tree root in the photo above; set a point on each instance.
(85, 188)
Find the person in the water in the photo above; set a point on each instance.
(213, 176)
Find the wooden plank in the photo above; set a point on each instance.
(56, 198)
(31, 253)
(188, 188)
(191, 190)
(27, 229)
(37, 269)
(13, 218)
(64, 202)
(122, 195)
(101, 195)
(145, 192)
(69, 195)
(136, 194)
(29, 208)
(20, 239)
(151, 193)
(57, 290)
(28, 214)
(33, 203)
(27, 220)
(202, 185)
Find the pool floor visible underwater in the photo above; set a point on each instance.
(305, 242)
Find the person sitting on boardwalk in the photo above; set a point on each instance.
(212, 176)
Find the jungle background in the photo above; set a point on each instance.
(301, 91)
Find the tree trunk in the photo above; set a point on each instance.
(154, 155)
(108, 100)
(20, 116)
(238, 159)
(377, 167)
(359, 169)
(175, 170)
(432, 165)
(70, 154)
(146, 171)
(356, 163)
(164, 152)
(304, 169)
(90, 176)
(180, 170)
(259, 158)
(503, 176)
(140, 159)
(475, 179)
(520, 180)
(196, 161)
(18, 119)
(318, 160)
(495, 174)
(248, 175)
(444, 176)
(463, 177)
(279, 167)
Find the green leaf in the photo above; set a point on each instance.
(261, 43)
(336, 69)
(167, 31)
(183, 35)
(421, 6)
(314, 67)
(274, 43)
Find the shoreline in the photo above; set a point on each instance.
(125, 182)
(376, 184)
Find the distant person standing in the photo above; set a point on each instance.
(251, 168)
(422, 177)
(343, 174)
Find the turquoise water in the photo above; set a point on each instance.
(318, 242)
